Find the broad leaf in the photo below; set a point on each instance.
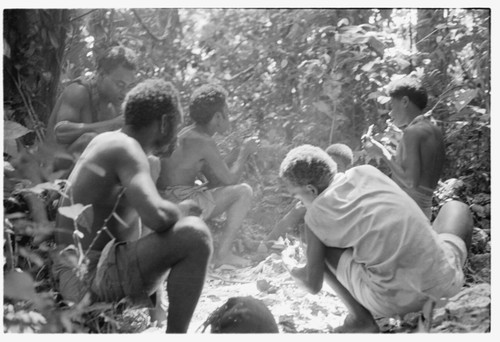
(13, 130)
(83, 215)
(19, 285)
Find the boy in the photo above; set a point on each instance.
(371, 242)
(197, 153)
(419, 159)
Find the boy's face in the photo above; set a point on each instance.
(223, 123)
(398, 111)
(305, 193)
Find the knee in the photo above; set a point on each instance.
(459, 210)
(195, 235)
(244, 191)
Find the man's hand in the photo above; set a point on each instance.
(250, 146)
(372, 146)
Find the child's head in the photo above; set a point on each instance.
(205, 102)
(308, 171)
(341, 155)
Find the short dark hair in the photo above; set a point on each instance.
(115, 57)
(341, 151)
(149, 101)
(411, 87)
(308, 165)
(205, 101)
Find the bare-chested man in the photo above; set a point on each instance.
(197, 153)
(89, 106)
(113, 175)
(419, 159)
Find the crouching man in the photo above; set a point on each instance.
(113, 176)
(371, 242)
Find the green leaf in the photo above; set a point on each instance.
(82, 215)
(13, 130)
(19, 285)
(463, 98)
(322, 107)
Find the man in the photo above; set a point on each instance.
(370, 241)
(113, 176)
(419, 159)
(89, 106)
(197, 153)
(343, 157)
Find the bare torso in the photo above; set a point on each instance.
(429, 150)
(95, 181)
(187, 160)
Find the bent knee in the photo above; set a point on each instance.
(195, 233)
(244, 190)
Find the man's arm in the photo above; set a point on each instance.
(133, 171)
(216, 169)
(72, 122)
(310, 277)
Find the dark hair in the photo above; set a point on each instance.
(205, 102)
(115, 57)
(308, 165)
(341, 151)
(411, 87)
(149, 101)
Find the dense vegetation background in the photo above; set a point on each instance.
(294, 76)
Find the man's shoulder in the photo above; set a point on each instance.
(117, 142)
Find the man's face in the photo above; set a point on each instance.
(117, 83)
(223, 123)
(305, 193)
(166, 138)
(398, 111)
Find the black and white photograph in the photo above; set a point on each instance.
(244, 169)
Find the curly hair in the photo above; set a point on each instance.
(411, 87)
(341, 151)
(308, 165)
(205, 101)
(149, 101)
(115, 57)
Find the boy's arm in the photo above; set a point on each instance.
(310, 277)
(70, 124)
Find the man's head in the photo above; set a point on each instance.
(154, 103)
(341, 155)
(116, 68)
(208, 106)
(408, 99)
(308, 171)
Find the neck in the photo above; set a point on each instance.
(143, 136)
(206, 129)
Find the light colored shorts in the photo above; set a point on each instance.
(199, 193)
(111, 276)
(403, 299)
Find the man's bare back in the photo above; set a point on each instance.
(426, 141)
(96, 180)
(187, 160)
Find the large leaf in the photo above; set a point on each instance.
(13, 130)
(463, 97)
(83, 215)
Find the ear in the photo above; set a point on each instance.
(405, 101)
(312, 189)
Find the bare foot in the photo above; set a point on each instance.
(231, 259)
(352, 325)
(158, 315)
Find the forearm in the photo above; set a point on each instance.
(397, 171)
(162, 218)
(306, 277)
(237, 168)
(66, 132)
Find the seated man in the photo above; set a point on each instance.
(197, 153)
(371, 242)
(419, 159)
(113, 176)
(342, 156)
(91, 105)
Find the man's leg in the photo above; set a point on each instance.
(359, 318)
(235, 201)
(455, 218)
(185, 250)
